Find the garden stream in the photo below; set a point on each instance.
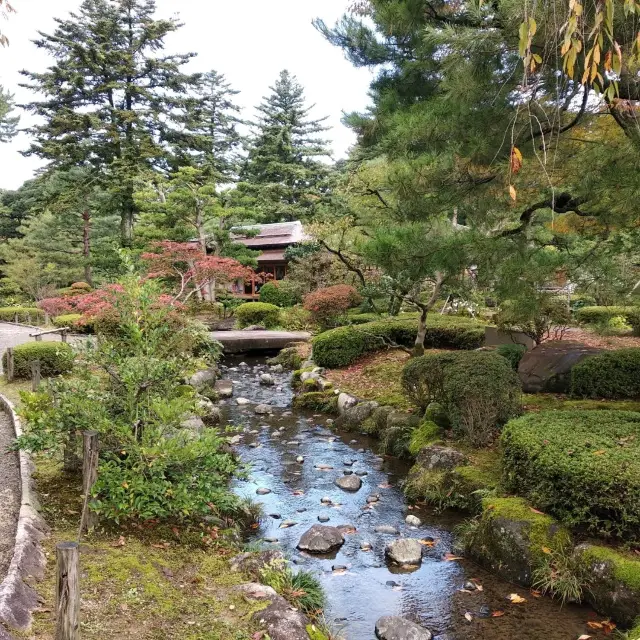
(359, 585)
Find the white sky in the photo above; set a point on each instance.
(250, 41)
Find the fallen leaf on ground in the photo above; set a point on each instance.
(584, 636)
(120, 543)
(449, 557)
(164, 545)
(546, 550)
(497, 614)
(468, 616)
(514, 598)
(535, 594)
(594, 625)
(599, 453)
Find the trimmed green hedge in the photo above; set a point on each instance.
(261, 313)
(612, 374)
(29, 315)
(70, 320)
(282, 294)
(601, 315)
(55, 358)
(583, 467)
(479, 391)
(342, 346)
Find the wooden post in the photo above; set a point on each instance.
(47, 320)
(10, 365)
(64, 335)
(38, 338)
(35, 375)
(90, 443)
(67, 592)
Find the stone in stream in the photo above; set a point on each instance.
(373, 498)
(278, 368)
(267, 380)
(271, 540)
(242, 401)
(362, 473)
(326, 500)
(323, 519)
(254, 445)
(349, 483)
(323, 467)
(387, 529)
(224, 388)
(398, 628)
(262, 409)
(365, 546)
(275, 516)
(413, 521)
(348, 462)
(263, 491)
(321, 539)
(404, 552)
(300, 459)
(347, 472)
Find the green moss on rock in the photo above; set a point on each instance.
(317, 401)
(427, 433)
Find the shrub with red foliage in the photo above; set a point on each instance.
(328, 305)
(57, 306)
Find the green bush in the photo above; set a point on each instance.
(55, 358)
(479, 391)
(72, 321)
(583, 467)
(296, 319)
(579, 301)
(250, 313)
(612, 374)
(342, 346)
(282, 294)
(633, 318)
(28, 315)
(512, 352)
(600, 316)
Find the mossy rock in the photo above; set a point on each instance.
(437, 413)
(512, 539)
(395, 437)
(288, 357)
(377, 421)
(317, 401)
(427, 433)
(297, 374)
(310, 384)
(613, 582)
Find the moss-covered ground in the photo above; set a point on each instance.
(144, 581)
(12, 390)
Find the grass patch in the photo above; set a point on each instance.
(555, 402)
(12, 390)
(374, 377)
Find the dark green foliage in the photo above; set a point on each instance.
(512, 352)
(72, 321)
(8, 122)
(344, 345)
(29, 315)
(282, 294)
(260, 313)
(479, 391)
(583, 467)
(612, 374)
(600, 316)
(55, 358)
(283, 178)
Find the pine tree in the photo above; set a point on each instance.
(8, 123)
(283, 178)
(110, 98)
(208, 136)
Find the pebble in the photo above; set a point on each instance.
(413, 521)
(323, 518)
(254, 445)
(275, 516)
(242, 401)
(361, 451)
(301, 509)
(386, 528)
(271, 540)
(339, 567)
(263, 491)
(362, 473)
(348, 463)
(324, 467)
(365, 546)
(300, 459)
(326, 500)
(353, 442)
(347, 472)
(373, 498)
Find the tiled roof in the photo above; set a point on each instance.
(278, 234)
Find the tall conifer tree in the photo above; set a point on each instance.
(283, 178)
(110, 96)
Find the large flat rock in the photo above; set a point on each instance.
(260, 340)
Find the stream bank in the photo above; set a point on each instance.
(295, 457)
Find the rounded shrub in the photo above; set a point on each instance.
(612, 374)
(331, 303)
(250, 313)
(338, 347)
(282, 294)
(29, 315)
(512, 352)
(479, 391)
(600, 316)
(73, 321)
(582, 467)
(55, 358)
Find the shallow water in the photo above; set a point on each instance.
(368, 589)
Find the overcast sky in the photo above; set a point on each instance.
(250, 41)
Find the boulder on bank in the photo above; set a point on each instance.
(267, 380)
(511, 539)
(398, 628)
(321, 539)
(253, 563)
(405, 551)
(547, 368)
(204, 379)
(438, 458)
(346, 401)
(352, 418)
(613, 582)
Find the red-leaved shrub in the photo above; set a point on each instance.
(328, 305)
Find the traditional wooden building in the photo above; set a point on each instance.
(272, 241)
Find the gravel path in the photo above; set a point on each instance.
(9, 494)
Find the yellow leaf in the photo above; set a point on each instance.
(512, 192)
(449, 557)
(514, 598)
(546, 550)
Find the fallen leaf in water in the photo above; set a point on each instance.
(298, 493)
(449, 557)
(497, 614)
(121, 542)
(514, 598)
(608, 626)
(468, 617)
(384, 485)
(584, 636)
(428, 542)
(475, 581)
(286, 525)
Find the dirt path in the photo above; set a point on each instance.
(9, 494)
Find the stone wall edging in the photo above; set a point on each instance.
(18, 598)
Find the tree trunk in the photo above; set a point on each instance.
(209, 293)
(418, 349)
(127, 217)
(86, 246)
